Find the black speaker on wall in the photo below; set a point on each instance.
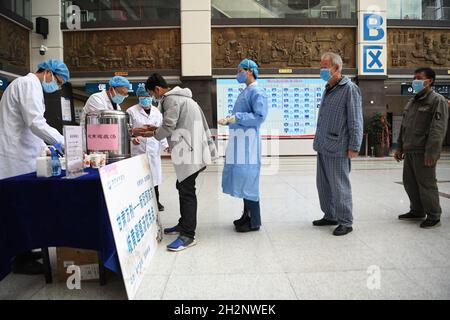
(42, 26)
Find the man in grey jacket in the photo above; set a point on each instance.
(192, 149)
(422, 133)
(338, 139)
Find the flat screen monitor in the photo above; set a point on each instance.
(293, 105)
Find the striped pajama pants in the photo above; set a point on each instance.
(335, 191)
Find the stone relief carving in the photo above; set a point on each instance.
(413, 48)
(15, 45)
(122, 50)
(281, 47)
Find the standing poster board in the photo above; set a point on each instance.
(133, 212)
(73, 136)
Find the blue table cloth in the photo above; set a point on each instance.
(54, 212)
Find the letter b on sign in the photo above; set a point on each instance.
(373, 27)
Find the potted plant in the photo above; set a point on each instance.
(379, 132)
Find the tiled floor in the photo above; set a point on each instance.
(288, 258)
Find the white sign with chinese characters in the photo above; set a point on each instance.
(74, 151)
(133, 212)
(66, 110)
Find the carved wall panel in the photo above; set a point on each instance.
(415, 48)
(15, 47)
(122, 50)
(282, 47)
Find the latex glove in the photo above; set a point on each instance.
(227, 120)
(231, 119)
(223, 122)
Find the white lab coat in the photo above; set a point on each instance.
(149, 146)
(97, 102)
(23, 128)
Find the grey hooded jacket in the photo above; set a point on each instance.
(185, 127)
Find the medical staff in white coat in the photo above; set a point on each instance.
(23, 128)
(24, 132)
(107, 99)
(145, 113)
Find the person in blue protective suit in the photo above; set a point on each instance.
(241, 172)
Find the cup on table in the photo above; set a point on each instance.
(102, 160)
(87, 160)
(98, 160)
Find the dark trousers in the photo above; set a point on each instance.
(421, 186)
(255, 212)
(157, 194)
(188, 206)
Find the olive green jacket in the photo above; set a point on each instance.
(424, 125)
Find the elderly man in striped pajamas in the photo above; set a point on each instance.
(338, 139)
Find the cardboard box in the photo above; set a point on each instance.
(87, 260)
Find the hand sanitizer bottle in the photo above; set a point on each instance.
(56, 165)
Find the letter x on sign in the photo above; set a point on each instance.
(372, 58)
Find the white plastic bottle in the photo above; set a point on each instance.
(44, 165)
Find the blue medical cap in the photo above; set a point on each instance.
(57, 67)
(250, 65)
(141, 92)
(119, 81)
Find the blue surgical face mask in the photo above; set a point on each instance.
(325, 74)
(145, 102)
(118, 98)
(50, 87)
(242, 77)
(418, 85)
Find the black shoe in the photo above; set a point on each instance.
(245, 218)
(412, 216)
(30, 267)
(160, 207)
(342, 230)
(246, 228)
(429, 224)
(324, 222)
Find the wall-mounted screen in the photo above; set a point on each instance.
(293, 105)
